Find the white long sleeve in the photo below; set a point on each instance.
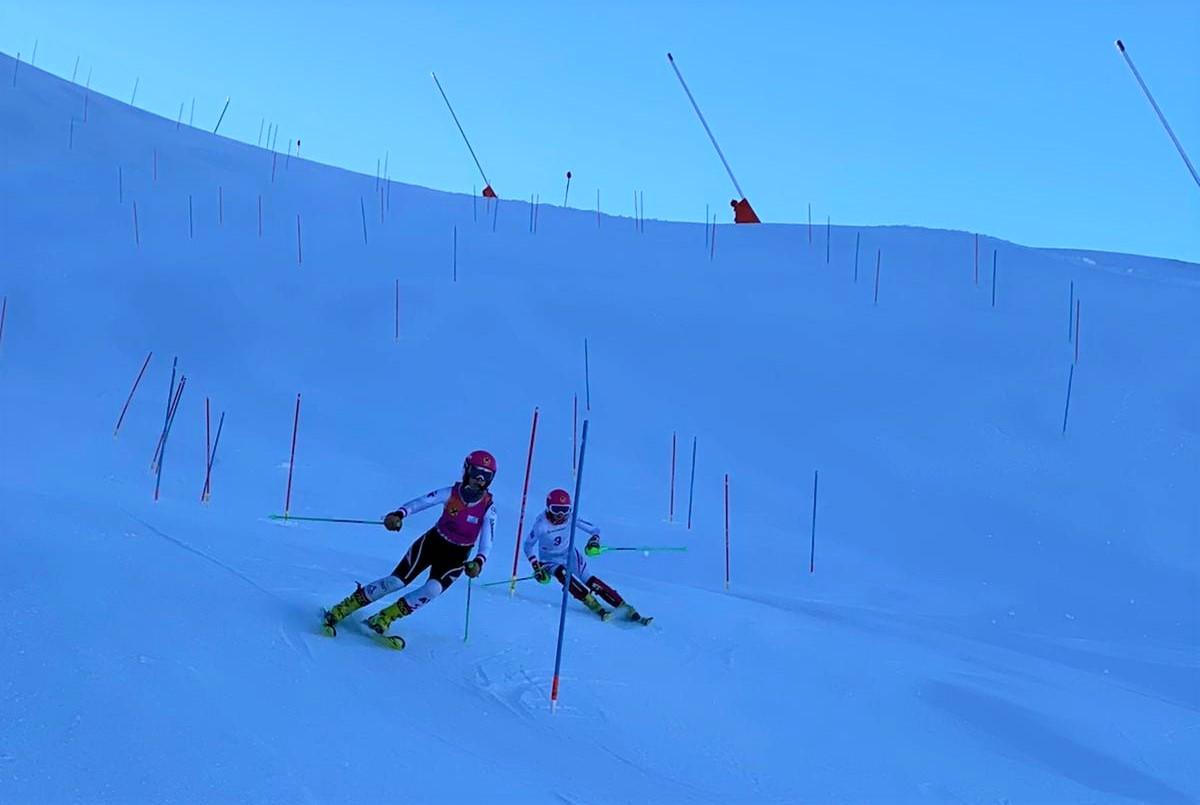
(548, 542)
(484, 545)
(437, 497)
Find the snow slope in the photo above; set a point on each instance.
(999, 612)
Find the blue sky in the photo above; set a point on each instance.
(1018, 119)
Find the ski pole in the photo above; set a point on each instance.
(324, 519)
(645, 549)
(498, 583)
(467, 625)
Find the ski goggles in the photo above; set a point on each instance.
(559, 509)
(482, 476)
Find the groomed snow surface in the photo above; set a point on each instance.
(999, 613)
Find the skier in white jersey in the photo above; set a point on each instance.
(546, 548)
(468, 521)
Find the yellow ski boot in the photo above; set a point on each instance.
(597, 607)
(338, 612)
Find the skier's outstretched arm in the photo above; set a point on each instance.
(437, 497)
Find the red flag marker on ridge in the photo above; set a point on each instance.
(743, 213)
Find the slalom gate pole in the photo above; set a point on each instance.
(726, 532)
(976, 259)
(704, 123)
(993, 277)
(323, 519)
(136, 381)
(166, 417)
(671, 500)
(1067, 407)
(1077, 303)
(287, 501)
(692, 485)
(878, 260)
(812, 553)
(207, 448)
(167, 432)
(224, 109)
(567, 192)
(467, 624)
(587, 377)
(574, 433)
(486, 183)
(562, 613)
(212, 459)
(1161, 117)
(1071, 314)
(857, 238)
(524, 496)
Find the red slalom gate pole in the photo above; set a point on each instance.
(726, 531)
(671, 503)
(128, 399)
(287, 501)
(512, 585)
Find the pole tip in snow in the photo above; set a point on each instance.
(1120, 46)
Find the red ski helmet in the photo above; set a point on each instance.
(479, 468)
(558, 506)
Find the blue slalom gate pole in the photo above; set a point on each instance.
(1067, 407)
(692, 484)
(562, 614)
(587, 377)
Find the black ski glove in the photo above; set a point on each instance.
(474, 567)
(394, 521)
(540, 573)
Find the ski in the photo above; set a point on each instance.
(394, 642)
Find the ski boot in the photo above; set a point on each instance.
(338, 612)
(591, 603)
(381, 620)
(632, 614)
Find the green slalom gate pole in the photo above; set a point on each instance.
(324, 519)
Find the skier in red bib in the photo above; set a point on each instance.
(468, 521)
